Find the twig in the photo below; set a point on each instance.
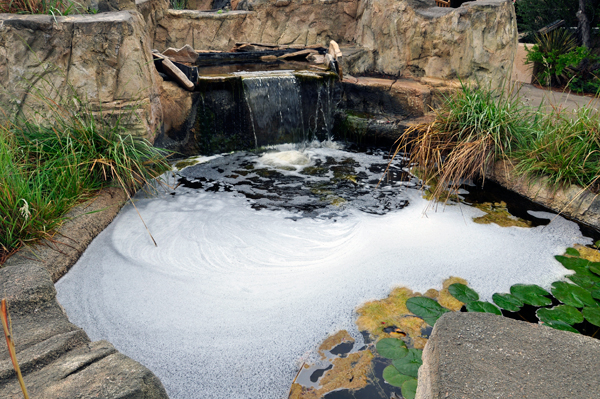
(6, 325)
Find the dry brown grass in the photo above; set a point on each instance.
(471, 130)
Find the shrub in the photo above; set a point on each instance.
(533, 15)
(554, 55)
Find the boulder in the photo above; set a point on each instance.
(481, 355)
(104, 60)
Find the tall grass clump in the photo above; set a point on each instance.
(47, 168)
(471, 130)
(565, 149)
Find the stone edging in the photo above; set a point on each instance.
(57, 358)
(573, 201)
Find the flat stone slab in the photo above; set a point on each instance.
(480, 355)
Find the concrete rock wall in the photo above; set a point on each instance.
(103, 59)
(300, 22)
(477, 40)
(410, 38)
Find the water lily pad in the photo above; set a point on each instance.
(565, 313)
(393, 377)
(508, 302)
(571, 294)
(592, 315)
(561, 325)
(585, 281)
(463, 293)
(482, 307)
(572, 263)
(595, 294)
(531, 294)
(572, 252)
(595, 267)
(426, 308)
(409, 364)
(391, 348)
(409, 389)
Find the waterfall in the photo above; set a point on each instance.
(275, 107)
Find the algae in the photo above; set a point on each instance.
(334, 340)
(498, 213)
(590, 254)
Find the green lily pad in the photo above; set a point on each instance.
(508, 302)
(426, 308)
(571, 294)
(572, 252)
(595, 294)
(592, 315)
(409, 364)
(391, 348)
(531, 294)
(572, 263)
(584, 281)
(463, 293)
(393, 377)
(409, 389)
(597, 244)
(565, 313)
(561, 325)
(482, 307)
(595, 267)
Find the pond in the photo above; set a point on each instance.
(261, 255)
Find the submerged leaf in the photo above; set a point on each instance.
(393, 377)
(409, 364)
(592, 315)
(463, 293)
(571, 294)
(572, 252)
(482, 307)
(564, 313)
(508, 302)
(531, 294)
(391, 348)
(409, 389)
(426, 308)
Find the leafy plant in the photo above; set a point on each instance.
(403, 371)
(533, 15)
(179, 4)
(554, 55)
(45, 169)
(426, 308)
(51, 7)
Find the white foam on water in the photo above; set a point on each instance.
(232, 298)
(293, 158)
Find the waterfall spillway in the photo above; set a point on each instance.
(246, 110)
(275, 106)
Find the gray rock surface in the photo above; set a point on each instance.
(479, 355)
(56, 357)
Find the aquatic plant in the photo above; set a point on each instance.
(403, 371)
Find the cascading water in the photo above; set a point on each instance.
(261, 255)
(248, 110)
(275, 107)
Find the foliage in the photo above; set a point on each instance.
(471, 130)
(554, 55)
(45, 169)
(533, 15)
(474, 128)
(403, 371)
(52, 7)
(565, 148)
(179, 4)
(427, 308)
